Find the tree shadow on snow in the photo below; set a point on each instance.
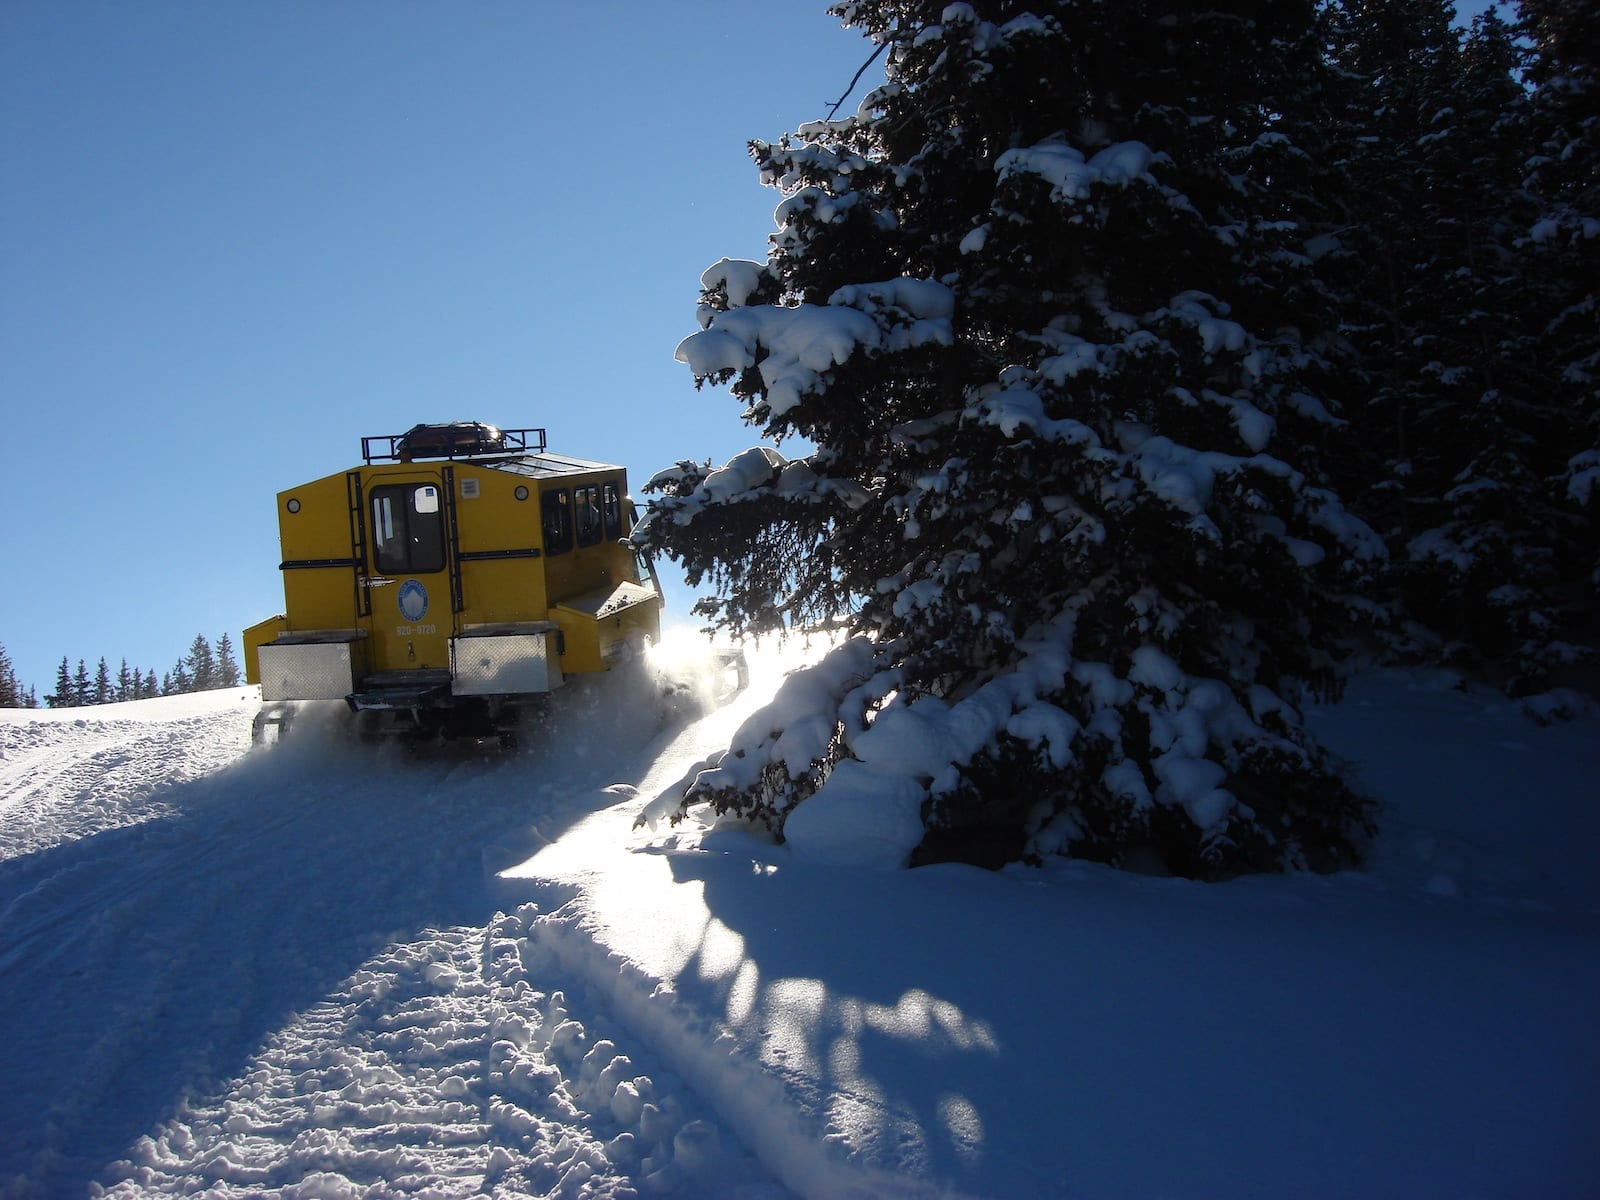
(1004, 1037)
(875, 1032)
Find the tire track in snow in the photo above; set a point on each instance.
(297, 987)
(440, 1068)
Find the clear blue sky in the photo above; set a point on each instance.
(236, 237)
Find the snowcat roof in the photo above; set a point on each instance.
(543, 466)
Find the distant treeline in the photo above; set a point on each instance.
(200, 670)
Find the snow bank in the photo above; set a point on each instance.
(859, 818)
(70, 773)
(952, 1032)
(163, 709)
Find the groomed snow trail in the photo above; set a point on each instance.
(70, 775)
(299, 981)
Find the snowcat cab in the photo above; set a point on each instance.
(450, 583)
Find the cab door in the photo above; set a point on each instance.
(409, 572)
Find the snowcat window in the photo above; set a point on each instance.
(555, 507)
(586, 502)
(407, 529)
(611, 511)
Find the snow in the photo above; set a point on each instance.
(1583, 472)
(748, 469)
(796, 345)
(803, 342)
(321, 970)
(861, 817)
(737, 277)
(1071, 176)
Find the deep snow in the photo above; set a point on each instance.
(332, 972)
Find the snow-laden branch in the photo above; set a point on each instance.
(795, 346)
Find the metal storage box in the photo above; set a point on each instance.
(505, 660)
(308, 670)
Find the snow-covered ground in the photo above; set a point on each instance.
(324, 971)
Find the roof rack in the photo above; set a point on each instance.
(456, 439)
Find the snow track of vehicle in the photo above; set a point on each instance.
(439, 1068)
(303, 987)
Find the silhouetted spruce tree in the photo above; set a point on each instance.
(227, 672)
(201, 664)
(1046, 310)
(177, 681)
(82, 688)
(103, 692)
(10, 690)
(63, 695)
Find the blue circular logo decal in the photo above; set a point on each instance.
(413, 600)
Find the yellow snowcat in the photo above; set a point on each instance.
(450, 583)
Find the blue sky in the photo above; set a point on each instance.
(237, 237)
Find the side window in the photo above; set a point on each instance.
(586, 502)
(555, 507)
(611, 511)
(407, 529)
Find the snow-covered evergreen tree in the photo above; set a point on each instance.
(1046, 310)
(1400, 143)
(1464, 440)
(1563, 256)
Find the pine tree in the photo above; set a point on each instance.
(1562, 255)
(151, 688)
(125, 682)
(10, 690)
(201, 664)
(1046, 311)
(63, 697)
(1399, 61)
(103, 692)
(1462, 440)
(227, 674)
(82, 689)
